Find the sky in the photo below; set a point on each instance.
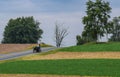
(48, 12)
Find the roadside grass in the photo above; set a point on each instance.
(80, 67)
(30, 57)
(46, 45)
(11, 60)
(92, 47)
(42, 45)
(47, 53)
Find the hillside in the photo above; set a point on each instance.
(7, 48)
(93, 47)
(89, 60)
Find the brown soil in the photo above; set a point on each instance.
(7, 48)
(75, 55)
(28, 75)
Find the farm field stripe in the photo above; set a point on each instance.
(74, 55)
(30, 75)
(80, 67)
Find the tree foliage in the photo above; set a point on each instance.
(96, 21)
(116, 29)
(22, 30)
(80, 40)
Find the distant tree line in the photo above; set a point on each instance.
(97, 23)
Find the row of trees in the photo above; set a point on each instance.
(97, 23)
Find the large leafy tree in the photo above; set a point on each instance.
(96, 21)
(22, 30)
(116, 29)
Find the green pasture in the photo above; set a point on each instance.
(82, 67)
(93, 47)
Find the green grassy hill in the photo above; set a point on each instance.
(93, 47)
(68, 67)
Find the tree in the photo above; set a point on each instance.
(116, 29)
(22, 30)
(60, 34)
(96, 19)
(80, 40)
(109, 29)
(87, 36)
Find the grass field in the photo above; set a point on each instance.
(95, 60)
(37, 75)
(109, 47)
(82, 67)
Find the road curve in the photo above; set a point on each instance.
(19, 54)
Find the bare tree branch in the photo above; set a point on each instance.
(60, 34)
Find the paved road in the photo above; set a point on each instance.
(19, 54)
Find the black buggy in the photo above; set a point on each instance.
(37, 49)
